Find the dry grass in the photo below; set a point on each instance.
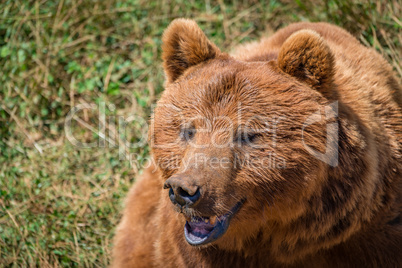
(59, 204)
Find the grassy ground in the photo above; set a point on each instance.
(59, 202)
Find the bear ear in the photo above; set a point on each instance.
(185, 45)
(306, 56)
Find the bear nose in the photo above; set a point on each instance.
(181, 192)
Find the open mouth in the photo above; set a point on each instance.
(204, 230)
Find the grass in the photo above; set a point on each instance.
(60, 203)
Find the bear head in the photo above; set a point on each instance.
(245, 148)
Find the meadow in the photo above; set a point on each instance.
(65, 171)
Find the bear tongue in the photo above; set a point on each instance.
(199, 226)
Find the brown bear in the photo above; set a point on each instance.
(285, 153)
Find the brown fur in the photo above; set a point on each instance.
(307, 214)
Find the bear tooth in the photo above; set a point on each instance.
(212, 220)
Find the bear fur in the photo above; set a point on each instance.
(331, 199)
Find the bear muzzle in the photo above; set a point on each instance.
(185, 194)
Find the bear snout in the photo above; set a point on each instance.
(182, 191)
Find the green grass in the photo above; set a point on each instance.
(59, 204)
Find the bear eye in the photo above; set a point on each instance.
(187, 133)
(246, 137)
